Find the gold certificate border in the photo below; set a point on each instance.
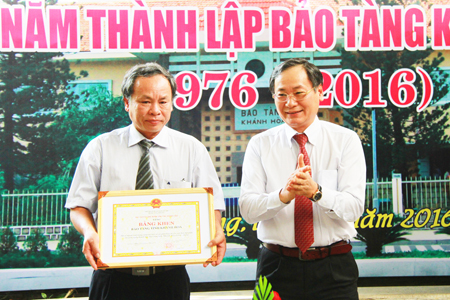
(133, 254)
(116, 262)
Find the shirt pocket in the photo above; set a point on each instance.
(176, 184)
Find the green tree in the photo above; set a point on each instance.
(8, 241)
(36, 242)
(376, 238)
(80, 120)
(69, 249)
(247, 237)
(32, 91)
(2, 179)
(71, 242)
(403, 134)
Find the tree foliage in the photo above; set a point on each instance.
(247, 237)
(32, 91)
(403, 134)
(79, 121)
(376, 238)
(36, 254)
(71, 242)
(8, 241)
(36, 242)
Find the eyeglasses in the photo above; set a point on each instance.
(298, 96)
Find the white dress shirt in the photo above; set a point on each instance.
(337, 164)
(110, 163)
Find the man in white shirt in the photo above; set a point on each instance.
(305, 198)
(111, 161)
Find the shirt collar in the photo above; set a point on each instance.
(162, 139)
(312, 132)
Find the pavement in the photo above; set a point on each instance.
(419, 239)
(365, 293)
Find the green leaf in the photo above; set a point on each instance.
(263, 290)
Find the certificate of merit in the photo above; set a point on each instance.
(141, 229)
(155, 227)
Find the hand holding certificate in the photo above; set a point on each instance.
(156, 227)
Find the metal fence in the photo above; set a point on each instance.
(384, 195)
(31, 208)
(45, 208)
(416, 193)
(431, 193)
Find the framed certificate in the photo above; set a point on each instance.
(156, 227)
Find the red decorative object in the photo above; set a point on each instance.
(156, 203)
(276, 296)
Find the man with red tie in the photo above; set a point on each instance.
(304, 182)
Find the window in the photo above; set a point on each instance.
(228, 138)
(228, 158)
(227, 108)
(217, 169)
(207, 128)
(207, 138)
(228, 179)
(80, 86)
(217, 148)
(217, 138)
(228, 148)
(227, 118)
(207, 148)
(238, 148)
(227, 128)
(249, 137)
(217, 118)
(238, 137)
(218, 158)
(217, 128)
(207, 118)
(228, 169)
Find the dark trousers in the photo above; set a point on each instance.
(113, 285)
(334, 277)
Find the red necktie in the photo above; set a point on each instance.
(304, 229)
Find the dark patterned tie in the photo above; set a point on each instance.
(144, 178)
(304, 228)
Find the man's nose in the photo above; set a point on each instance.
(290, 100)
(154, 109)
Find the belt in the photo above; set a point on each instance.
(144, 271)
(314, 253)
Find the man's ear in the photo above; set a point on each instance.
(320, 92)
(126, 103)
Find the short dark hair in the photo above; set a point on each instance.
(145, 70)
(313, 72)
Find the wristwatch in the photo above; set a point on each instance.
(317, 195)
